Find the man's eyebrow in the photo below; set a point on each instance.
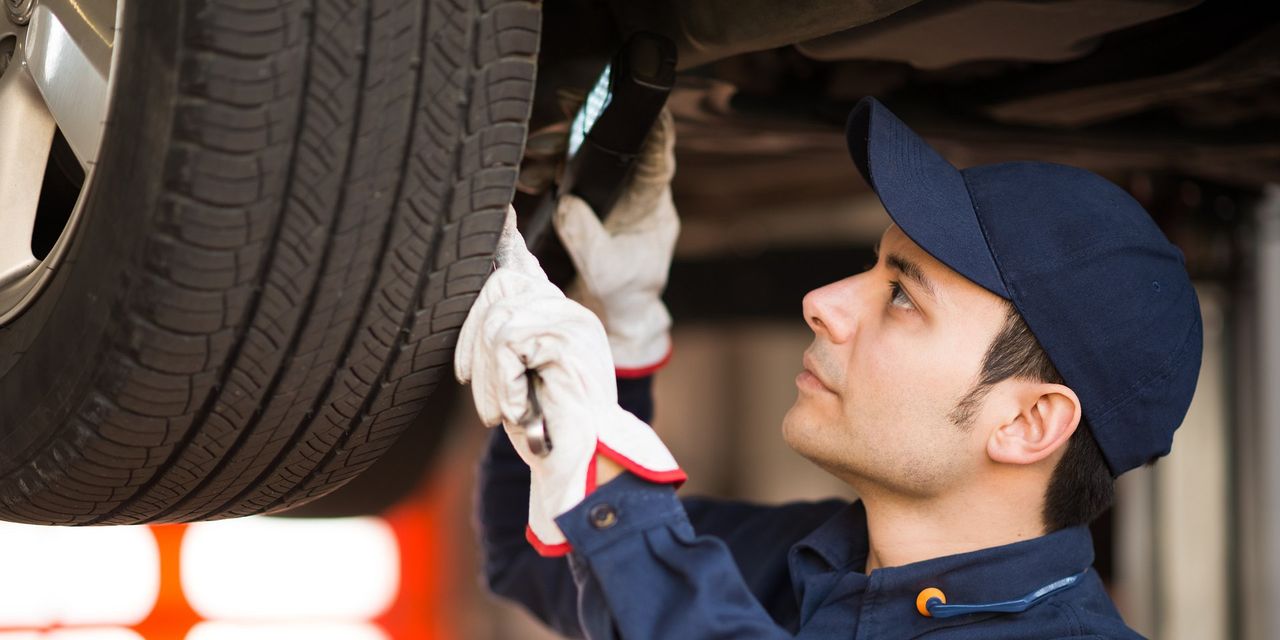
(913, 272)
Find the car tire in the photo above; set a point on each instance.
(293, 208)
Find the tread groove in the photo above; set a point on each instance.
(308, 305)
(228, 366)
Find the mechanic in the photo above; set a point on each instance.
(1026, 334)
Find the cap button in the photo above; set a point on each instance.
(929, 595)
(603, 516)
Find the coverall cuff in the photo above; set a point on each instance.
(625, 506)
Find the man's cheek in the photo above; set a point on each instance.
(874, 366)
(881, 404)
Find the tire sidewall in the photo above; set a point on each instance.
(54, 353)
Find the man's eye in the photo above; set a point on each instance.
(898, 296)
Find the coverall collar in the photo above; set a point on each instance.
(834, 553)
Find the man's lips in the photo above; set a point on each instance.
(810, 369)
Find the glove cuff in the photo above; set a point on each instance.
(637, 449)
(639, 337)
(673, 475)
(547, 549)
(631, 362)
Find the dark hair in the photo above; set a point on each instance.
(1081, 486)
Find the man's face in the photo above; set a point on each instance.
(887, 364)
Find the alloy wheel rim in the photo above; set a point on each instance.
(55, 89)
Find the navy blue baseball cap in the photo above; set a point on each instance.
(1097, 282)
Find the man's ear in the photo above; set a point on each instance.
(1045, 415)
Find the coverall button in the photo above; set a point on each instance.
(603, 516)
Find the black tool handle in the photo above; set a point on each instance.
(641, 76)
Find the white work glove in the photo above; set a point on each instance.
(623, 264)
(521, 321)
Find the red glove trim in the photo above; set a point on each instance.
(556, 550)
(642, 372)
(543, 549)
(591, 472)
(674, 476)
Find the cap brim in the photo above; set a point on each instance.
(923, 193)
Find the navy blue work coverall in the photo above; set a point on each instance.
(692, 568)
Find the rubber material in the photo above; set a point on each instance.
(295, 206)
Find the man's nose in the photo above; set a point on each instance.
(831, 310)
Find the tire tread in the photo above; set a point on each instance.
(338, 177)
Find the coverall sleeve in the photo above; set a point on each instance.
(642, 572)
(738, 564)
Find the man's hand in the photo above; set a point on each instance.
(623, 263)
(519, 322)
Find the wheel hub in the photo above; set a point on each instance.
(20, 10)
(56, 59)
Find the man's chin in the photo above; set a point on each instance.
(801, 410)
(798, 430)
(807, 435)
(789, 422)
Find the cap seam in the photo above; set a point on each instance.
(1164, 370)
(1084, 252)
(982, 227)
